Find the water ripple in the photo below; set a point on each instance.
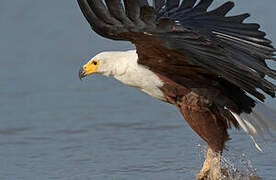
(12, 131)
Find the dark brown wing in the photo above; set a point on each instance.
(187, 43)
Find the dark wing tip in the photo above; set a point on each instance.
(203, 5)
(223, 9)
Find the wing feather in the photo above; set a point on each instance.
(158, 4)
(117, 11)
(97, 24)
(172, 4)
(187, 4)
(143, 3)
(222, 45)
(148, 15)
(203, 5)
(222, 10)
(132, 8)
(101, 12)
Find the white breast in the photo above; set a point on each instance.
(140, 77)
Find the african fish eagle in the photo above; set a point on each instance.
(209, 65)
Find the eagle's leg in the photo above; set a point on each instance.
(211, 167)
(206, 166)
(199, 114)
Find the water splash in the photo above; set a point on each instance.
(234, 164)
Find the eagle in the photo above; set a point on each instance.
(211, 66)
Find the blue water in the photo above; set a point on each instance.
(53, 126)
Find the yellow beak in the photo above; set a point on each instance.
(89, 68)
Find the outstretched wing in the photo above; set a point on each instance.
(185, 42)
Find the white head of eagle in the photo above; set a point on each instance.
(123, 66)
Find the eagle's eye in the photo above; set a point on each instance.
(94, 62)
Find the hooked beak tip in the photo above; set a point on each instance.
(82, 73)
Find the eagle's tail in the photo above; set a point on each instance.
(259, 121)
